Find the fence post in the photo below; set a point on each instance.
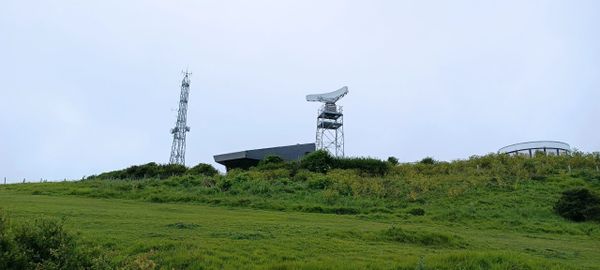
(569, 168)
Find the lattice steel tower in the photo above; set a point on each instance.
(330, 122)
(181, 128)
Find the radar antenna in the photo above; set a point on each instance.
(181, 128)
(330, 122)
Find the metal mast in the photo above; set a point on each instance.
(330, 129)
(180, 129)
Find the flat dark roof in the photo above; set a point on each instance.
(248, 158)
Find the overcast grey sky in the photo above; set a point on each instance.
(91, 86)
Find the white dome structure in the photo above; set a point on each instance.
(531, 148)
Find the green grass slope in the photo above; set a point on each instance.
(201, 237)
(490, 212)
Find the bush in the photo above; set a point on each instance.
(272, 159)
(6, 245)
(393, 161)
(331, 196)
(417, 212)
(149, 170)
(203, 169)
(427, 160)
(276, 163)
(172, 170)
(224, 184)
(319, 161)
(369, 166)
(578, 204)
(319, 182)
(142, 171)
(397, 234)
(343, 210)
(45, 244)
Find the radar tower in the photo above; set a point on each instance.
(330, 122)
(181, 128)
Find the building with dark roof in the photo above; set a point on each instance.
(249, 158)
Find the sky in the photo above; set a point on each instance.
(93, 86)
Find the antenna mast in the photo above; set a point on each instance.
(330, 122)
(180, 129)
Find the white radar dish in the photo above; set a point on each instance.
(331, 97)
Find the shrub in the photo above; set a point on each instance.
(397, 234)
(172, 170)
(272, 159)
(343, 181)
(303, 175)
(578, 204)
(142, 171)
(319, 161)
(417, 211)
(393, 161)
(224, 184)
(6, 245)
(260, 187)
(149, 170)
(142, 262)
(44, 244)
(273, 162)
(369, 166)
(203, 169)
(427, 160)
(312, 209)
(343, 210)
(330, 196)
(319, 182)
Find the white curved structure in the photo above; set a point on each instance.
(331, 97)
(531, 148)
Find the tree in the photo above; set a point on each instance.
(427, 160)
(319, 161)
(203, 169)
(393, 160)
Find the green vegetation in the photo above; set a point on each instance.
(203, 169)
(393, 161)
(44, 244)
(579, 204)
(159, 171)
(428, 160)
(321, 162)
(419, 237)
(489, 212)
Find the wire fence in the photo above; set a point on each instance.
(6, 181)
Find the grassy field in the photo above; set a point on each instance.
(270, 220)
(198, 236)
